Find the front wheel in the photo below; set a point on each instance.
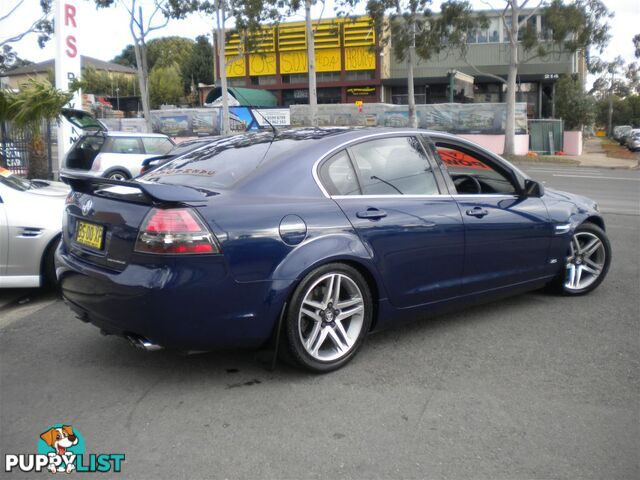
(587, 261)
(118, 175)
(329, 316)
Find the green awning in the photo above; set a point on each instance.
(246, 97)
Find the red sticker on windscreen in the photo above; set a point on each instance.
(454, 158)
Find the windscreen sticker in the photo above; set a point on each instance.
(454, 158)
(5, 173)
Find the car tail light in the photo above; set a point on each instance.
(175, 231)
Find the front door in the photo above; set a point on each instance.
(387, 189)
(507, 235)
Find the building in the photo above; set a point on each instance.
(350, 67)
(45, 71)
(488, 52)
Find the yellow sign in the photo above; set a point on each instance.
(293, 62)
(262, 64)
(236, 66)
(328, 60)
(359, 58)
(358, 103)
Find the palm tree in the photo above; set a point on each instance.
(37, 102)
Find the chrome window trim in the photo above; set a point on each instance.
(314, 168)
(484, 195)
(395, 195)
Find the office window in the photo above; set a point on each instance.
(360, 75)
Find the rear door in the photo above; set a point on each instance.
(387, 188)
(507, 235)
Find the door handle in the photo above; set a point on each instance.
(372, 213)
(478, 212)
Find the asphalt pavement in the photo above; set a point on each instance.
(535, 386)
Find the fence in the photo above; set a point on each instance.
(546, 136)
(14, 147)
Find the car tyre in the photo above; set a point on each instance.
(328, 318)
(118, 175)
(587, 262)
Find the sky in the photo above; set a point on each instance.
(104, 33)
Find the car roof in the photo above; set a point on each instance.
(110, 133)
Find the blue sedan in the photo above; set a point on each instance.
(317, 237)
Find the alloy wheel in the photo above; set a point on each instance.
(586, 261)
(331, 317)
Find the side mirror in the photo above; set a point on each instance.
(533, 188)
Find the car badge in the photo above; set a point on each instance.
(86, 208)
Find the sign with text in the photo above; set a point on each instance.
(68, 66)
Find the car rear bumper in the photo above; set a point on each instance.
(181, 305)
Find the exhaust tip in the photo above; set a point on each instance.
(143, 344)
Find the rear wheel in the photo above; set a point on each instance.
(118, 175)
(587, 261)
(328, 318)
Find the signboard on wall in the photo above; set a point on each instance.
(361, 91)
(359, 58)
(68, 67)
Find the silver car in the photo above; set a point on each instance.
(633, 140)
(116, 155)
(30, 224)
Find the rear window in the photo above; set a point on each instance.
(130, 145)
(220, 165)
(156, 146)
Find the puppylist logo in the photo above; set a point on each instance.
(61, 449)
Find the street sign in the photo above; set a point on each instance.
(68, 67)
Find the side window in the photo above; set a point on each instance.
(470, 174)
(156, 146)
(125, 145)
(338, 177)
(394, 166)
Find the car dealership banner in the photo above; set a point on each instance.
(68, 66)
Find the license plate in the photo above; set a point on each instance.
(90, 235)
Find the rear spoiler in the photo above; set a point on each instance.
(156, 191)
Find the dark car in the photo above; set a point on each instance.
(177, 151)
(337, 232)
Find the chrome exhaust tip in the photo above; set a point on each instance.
(143, 344)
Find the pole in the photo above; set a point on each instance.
(311, 63)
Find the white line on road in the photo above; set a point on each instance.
(595, 176)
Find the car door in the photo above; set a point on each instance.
(387, 188)
(507, 234)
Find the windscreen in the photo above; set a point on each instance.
(13, 181)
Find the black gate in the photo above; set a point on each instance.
(14, 146)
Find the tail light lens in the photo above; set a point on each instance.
(175, 231)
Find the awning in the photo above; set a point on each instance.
(246, 97)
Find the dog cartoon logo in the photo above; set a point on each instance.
(60, 439)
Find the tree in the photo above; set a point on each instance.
(167, 51)
(248, 16)
(636, 45)
(165, 85)
(37, 101)
(100, 82)
(9, 59)
(573, 104)
(412, 30)
(140, 28)
(200, 66)
(41, 26)
(127, 57)
(568, 28)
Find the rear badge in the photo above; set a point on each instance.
(86, 207)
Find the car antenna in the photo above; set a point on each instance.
(274, 129)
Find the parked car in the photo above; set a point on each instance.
(620, 131)
(177, 151)
(337, 232)
(116, 155)
(632, 141)
(30, 224)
